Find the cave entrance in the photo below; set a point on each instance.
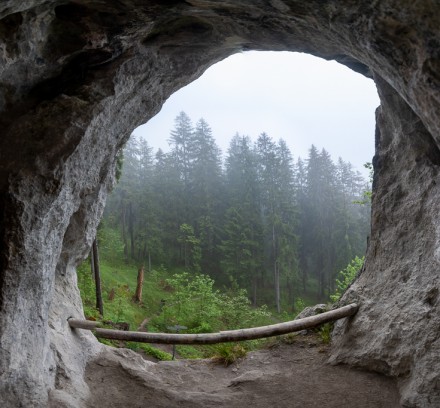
(69, 72)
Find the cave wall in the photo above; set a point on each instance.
(77, 77)
(398, 287)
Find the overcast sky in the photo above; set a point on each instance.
(303, 99)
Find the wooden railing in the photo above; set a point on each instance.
(220, 337)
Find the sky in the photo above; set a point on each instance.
(302, 99)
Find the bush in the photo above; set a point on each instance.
(325, 332)
(228, 353)
(194, 303)
(346, 277)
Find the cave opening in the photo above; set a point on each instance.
(299, 98)
(113, 60)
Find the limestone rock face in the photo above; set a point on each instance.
(397, 328)
(76, 77)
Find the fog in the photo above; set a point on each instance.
(303, 99)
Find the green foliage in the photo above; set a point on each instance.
(280, 230)
(86, 285)
(228, 353)
(237, 311)
(367, 194)
(150, 350)
(195, 303)
(190, 247)
(117, 309)
(191, 352)
(325, 332)
(299, 305)
(346, 276)
(111, 247)
(118, 285)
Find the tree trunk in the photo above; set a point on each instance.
(277, 287)
(95, 258)
(124, 233)
(276, 270)
(140, 282)
(290, 291)
(92, 265)
(131, 230)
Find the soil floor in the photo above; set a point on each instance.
(285, 375)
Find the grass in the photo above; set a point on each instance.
(120, 280)
(228, 353)
(118, 286)
(150, 350)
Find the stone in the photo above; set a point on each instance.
(249, 376)
(312, 311)
(76, 77)
(396, 330)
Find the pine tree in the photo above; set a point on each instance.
(206, 194)
(243, 215)
(181, 140)
(168, 191)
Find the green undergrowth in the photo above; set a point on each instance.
(171, 299)
(226, 353)
(183, 300)
(150, 350)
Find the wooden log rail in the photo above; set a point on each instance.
(220, 337)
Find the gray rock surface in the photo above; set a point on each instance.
(312, 311)
(283, 376)
(77, 77)
(397, 328)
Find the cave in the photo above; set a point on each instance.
(78, 76)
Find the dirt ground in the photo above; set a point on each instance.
(285, 375)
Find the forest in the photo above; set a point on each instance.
(256, 218)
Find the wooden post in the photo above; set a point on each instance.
(225, 336)
(140, 282)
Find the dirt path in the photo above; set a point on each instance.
(291, 376)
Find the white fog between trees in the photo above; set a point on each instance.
(303, 99)
(279, 226)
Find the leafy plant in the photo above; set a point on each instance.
(195, 303)
(346, 277)
(367, 195)
(325, 332)
(299, 304)
(228, 353)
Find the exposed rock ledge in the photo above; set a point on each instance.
(77, 77)
(284, 376)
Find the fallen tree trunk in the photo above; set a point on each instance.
(84, 324)
(221, 337)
